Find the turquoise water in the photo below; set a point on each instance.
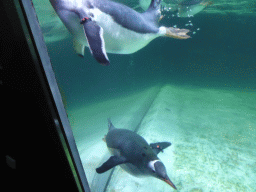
(199, 94)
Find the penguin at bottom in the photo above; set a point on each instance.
(134, 154)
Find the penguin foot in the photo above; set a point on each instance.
(160, 146)
(207, 3)
(160, 18)
(177, 33)
(104, 139)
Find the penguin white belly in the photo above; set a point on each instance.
(119, 39)
(132, 169)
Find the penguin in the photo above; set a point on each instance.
(184, 8)
(189, 8)
(134, 154)
(109, 27)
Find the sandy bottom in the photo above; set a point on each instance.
(213, 134)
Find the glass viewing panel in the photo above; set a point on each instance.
(196, 93)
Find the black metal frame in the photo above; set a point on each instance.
(34, 83)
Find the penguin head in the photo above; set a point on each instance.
(159, 171)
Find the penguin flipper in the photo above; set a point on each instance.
(110, 125)
(159, 146)
(94, 36)
(110, 163)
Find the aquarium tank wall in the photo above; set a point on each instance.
(197, 93)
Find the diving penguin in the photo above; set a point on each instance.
(134, 154)
(107, 26)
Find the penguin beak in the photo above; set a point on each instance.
(168, 181)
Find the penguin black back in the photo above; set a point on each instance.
(132, 152)
(130, 19)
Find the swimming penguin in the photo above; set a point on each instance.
(184, 8)
(144, 4)
(134, 154)
(189, 8)
(107, 26)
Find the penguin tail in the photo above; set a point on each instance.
(110, 125)
(177, 33)
(154, 5)
(153, 12)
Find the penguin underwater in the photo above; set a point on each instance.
(134, 154)
(107, 26)
(184, 8)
